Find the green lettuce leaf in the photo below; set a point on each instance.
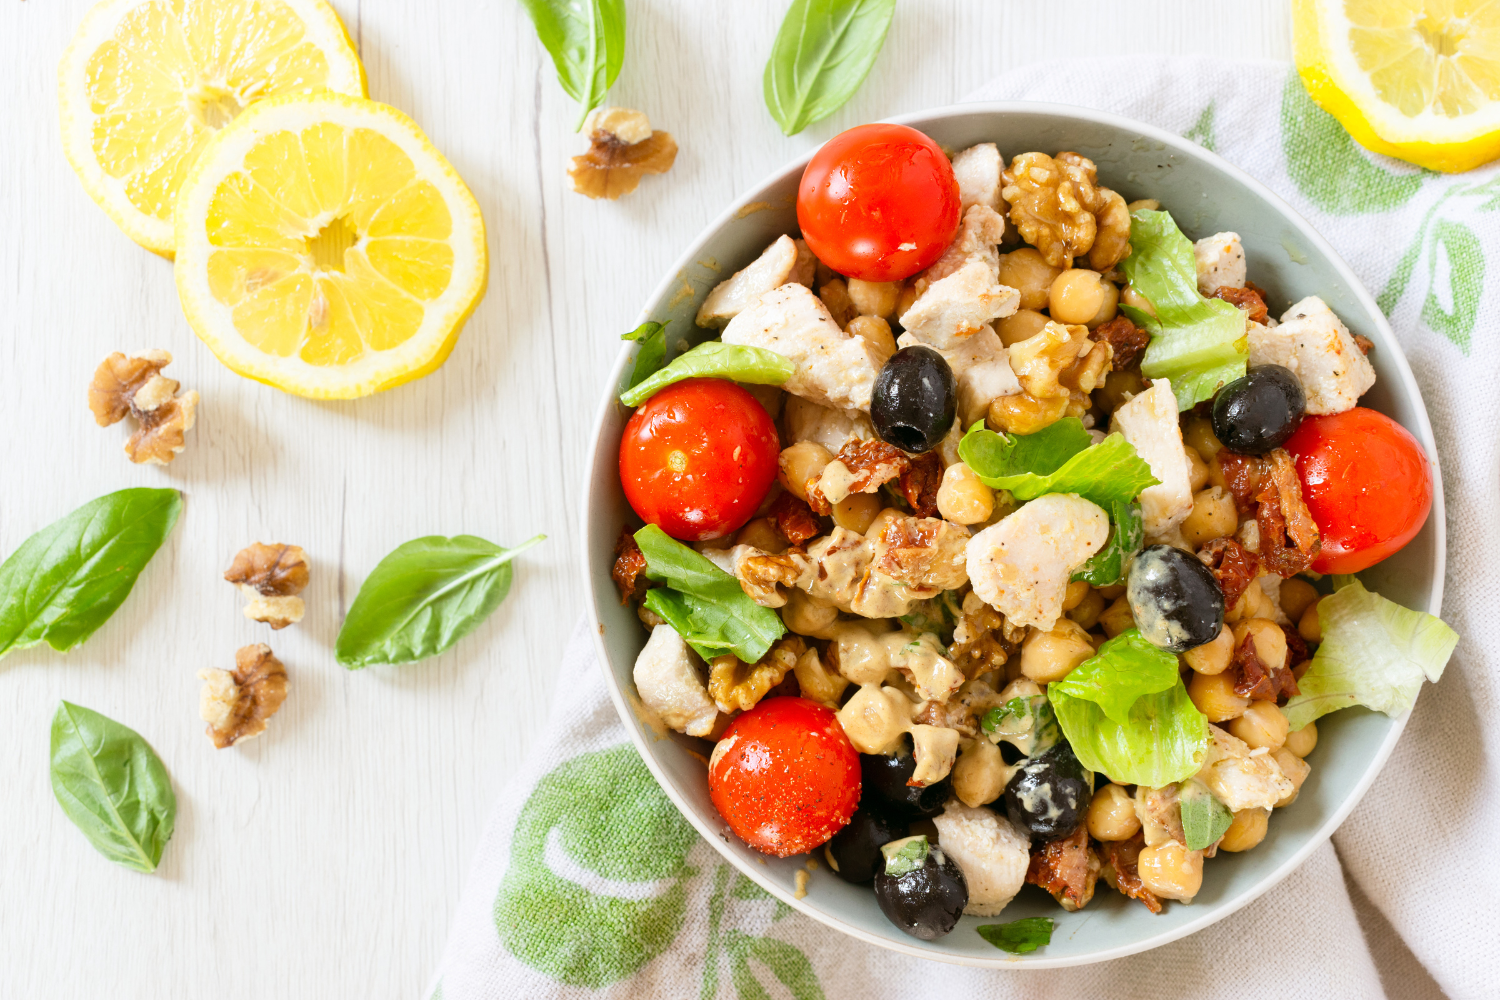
(1204, 818)
(1163, 741)
(652, 337)
(1057, 459)
(1127, 532)
(715, 359)
(1124, 669)
(1199, 344)
(1374, 653)
(703, 603)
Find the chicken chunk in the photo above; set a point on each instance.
(981, 229)
(1221, 262)
(977, 170)
(1149, 421)
(670, 686)
(1021, 565)
(1312, 342)
(804, 420)
(959, 305)
(992, 854)
(833, 368)
(981, 366)
(730, 298)
(1239, 777)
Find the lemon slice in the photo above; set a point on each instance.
(146, 83)
(324, 247)
(1415, 79)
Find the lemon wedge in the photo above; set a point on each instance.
(1414, 79)
(326, 248)
(146, 83)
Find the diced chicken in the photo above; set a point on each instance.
(730, 298)
(959, 305)
(1312, 342)
(977, 170)
(804, 420)
(1160, 813)
(1221, 262)
(670, 686)
(992, 854)
(981, 229)
(1149, 421)
(981, 365)
(805, 271)
(833, 368)
(1239, 777)
(1021, 565)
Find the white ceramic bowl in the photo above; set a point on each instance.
(1205, 195)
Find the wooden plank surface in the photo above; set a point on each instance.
(324, 859)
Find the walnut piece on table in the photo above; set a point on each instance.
(133, 385)
(271, 576)
(623, 147)
(236, 703)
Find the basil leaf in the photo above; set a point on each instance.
(586, 39)
(715, 359)
(1124, 669)
(904, 856)
(821, 55)
(65, 581)
(1127, 532)
(703, 603)
(652, 337)
(1057, 460)
(113, 787)
(1019, 937)
(1163, 740)
(1204, 818)
(1011, 719)
(423, 597)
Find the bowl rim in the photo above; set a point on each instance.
(1423, 433)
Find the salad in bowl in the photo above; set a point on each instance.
(990, 531)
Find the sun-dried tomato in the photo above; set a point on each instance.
(1065, 869)
(1296, 652)
(872, 463)
(1242, 477)
(1121, 871)
(919, 484)
(1365, 344)
(794, 518)
(630, 563)
(1256, 681)
(1233, 565)
(1289, 538)
(1246, 298)
(1127, 340)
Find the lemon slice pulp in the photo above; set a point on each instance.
(1415, 79)
(146, 83)
(326, 248)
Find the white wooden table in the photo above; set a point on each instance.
(325, 858)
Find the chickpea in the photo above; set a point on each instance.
(1076, 295)
(1198, 434)
(876, 332)
(808, 615)
(882, 521)
(1253, 603)
(1171, 871)
(857, 511)
(1117, 389)
(1020, 413)
(1197, 469)
(1026, 272)
(1214, 695)
(905, 299)
(1112, 814)
(962, 498)
(1076, 592)
(1262, 725)
(1144, 204)
(1021, 325)
(1214, 656)
(1117, 618)
(763, 534)
(1049, 656)
(1308, 626)
(1216, 473)
(1088, 610)
(1133, 298)
(1295, 768)
(1297, 595)
(1109, 307)
(1270, 641)
(874, 298)
(1213, 516)
(1247, 829)
(1112, 592)
(1303, 740)
(799, 463)
(979, 774)
(817, 682)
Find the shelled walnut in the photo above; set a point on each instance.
(623, 147)
(271, 576)
(236, 703)
(132, 385)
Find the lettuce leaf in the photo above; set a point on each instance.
(652, 337)
(714, 359)
(1125, 668)
(703, 603)
(1127, 532)
(1057, 459)
(1163, 741)
(1199, 344)
(1374, 653)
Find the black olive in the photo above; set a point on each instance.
(1176, 601)
(920, 888)
(885, 780)
(1050, 794)
(914, 399)
(855, 850)
(1256, 413)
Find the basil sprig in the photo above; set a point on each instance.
(425, 596)
(822, 53)
(714, 359)
(66, 580)
(1204, 818)
(1019, 937)
(1110, 564)
(703, 603)
(586, 39)
(113, 787)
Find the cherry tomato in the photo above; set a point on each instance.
(698, 457)
(1367, 483)
(878, 202)
(785, 776)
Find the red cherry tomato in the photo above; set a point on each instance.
(1367, 483)
(785, 776)
(698, 457)
(878, 202)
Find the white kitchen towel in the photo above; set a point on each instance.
(588, 882)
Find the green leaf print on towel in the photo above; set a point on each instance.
(596, 883)
(1329, 168)
(786, 962)
(1202, 131)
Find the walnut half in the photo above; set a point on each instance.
(622, 149)
(132, 385)
(271, 576)
(236, 703)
